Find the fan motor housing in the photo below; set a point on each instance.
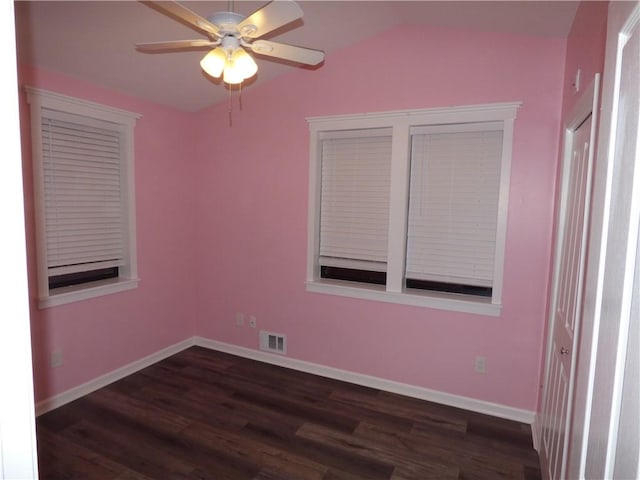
(227, 22)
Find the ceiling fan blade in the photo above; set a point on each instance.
(292, 53)
(174, 45)
(270, 17)
(183, 13)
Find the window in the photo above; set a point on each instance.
(410, 207)
(83, 184)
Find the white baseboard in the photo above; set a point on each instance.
(466, 403)
(536, 432)
(73, 394)
(480, 406)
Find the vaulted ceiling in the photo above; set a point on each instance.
(95, 40)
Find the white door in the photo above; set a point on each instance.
(569, 272)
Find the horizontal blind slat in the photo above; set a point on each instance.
(63, 270)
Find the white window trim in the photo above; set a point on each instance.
(38, 100)
(401, 122)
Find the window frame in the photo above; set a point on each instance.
(124, 123)
(401, 123)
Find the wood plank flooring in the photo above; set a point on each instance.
(202, 414)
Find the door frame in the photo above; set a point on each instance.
(604, 344)
(586, 106)
(18, 450)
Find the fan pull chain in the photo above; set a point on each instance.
(230, 105)
(230, 102)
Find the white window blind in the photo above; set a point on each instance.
(82, 194)
(453, 203)
(354, 206)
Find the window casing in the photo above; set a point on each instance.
(446, 170)
(84, 198)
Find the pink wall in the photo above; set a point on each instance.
(585, 49)
(248, 184)
(252, 184)
(102, 334)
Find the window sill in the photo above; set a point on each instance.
(438, 300)
(77, 293)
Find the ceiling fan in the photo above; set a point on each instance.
(231, 33)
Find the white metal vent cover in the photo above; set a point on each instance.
(273, 342)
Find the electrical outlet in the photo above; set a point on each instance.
(253, 321)
(56, 358)
(240, 319)
(480, 365)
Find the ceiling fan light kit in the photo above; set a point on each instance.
(231, 33)
(231, 59)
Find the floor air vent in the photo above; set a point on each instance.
(273, 342)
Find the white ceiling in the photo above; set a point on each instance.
(95, 40)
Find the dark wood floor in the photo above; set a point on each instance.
(207, 415)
